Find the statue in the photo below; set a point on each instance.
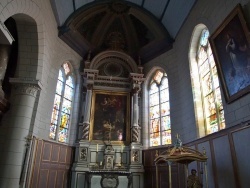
(193, 180)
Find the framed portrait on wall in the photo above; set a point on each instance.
(110, 117)
(231, 48)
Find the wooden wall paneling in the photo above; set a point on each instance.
(63, 154)
(43, 178)
(214, 176)
(47, 147)
(55, 153)
(241, 155)
(60, 181)
(36, 166)
(224, 168)
(210, 174)
(52, 178)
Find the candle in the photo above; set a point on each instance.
(97, 147)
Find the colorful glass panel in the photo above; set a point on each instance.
(160, 129)
(210, 86)
(60, 118)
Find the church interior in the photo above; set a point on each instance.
(124, 93)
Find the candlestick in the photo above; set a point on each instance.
(97, 147)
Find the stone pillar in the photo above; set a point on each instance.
(16, 130)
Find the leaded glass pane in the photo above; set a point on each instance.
(154, 99)
(154, 111)
(153, 89)
(165, 109)
(52, 134)
(63, 135)
(210, 86)
(154, 141)
(60, 76)
(164, 95)
(165, 122)
(66, 106)
(64, 120)
(69, 81)
(60, 118)
(68, 92)
(59, 87)
(166, 137)
(160, 133)
(204, 37)
(204, 68)
(164, 84)
(206, 84)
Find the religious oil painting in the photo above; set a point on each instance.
(231, 47)
(110, 117)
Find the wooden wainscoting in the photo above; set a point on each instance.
(228, 155)
(51, 165)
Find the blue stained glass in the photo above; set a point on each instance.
(204, 37)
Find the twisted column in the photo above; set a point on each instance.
(86, 123)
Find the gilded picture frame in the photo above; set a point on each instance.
(231, 48)
(110, 118)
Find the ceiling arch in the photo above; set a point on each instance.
(142, 28)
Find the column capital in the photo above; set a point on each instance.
(26, 86)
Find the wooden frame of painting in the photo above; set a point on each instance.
(110, 118)
(231, 48)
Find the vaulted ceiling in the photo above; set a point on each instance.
(144, 28)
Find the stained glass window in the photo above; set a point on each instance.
(209, 87)
(60, 119)
(160, 127)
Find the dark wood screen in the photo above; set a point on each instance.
(228, 156)
(51, 164)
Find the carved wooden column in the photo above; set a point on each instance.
(17, 128)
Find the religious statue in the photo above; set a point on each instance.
(193, 180)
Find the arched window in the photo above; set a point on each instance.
(206, 88)
(160, 127)
(60, 119)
